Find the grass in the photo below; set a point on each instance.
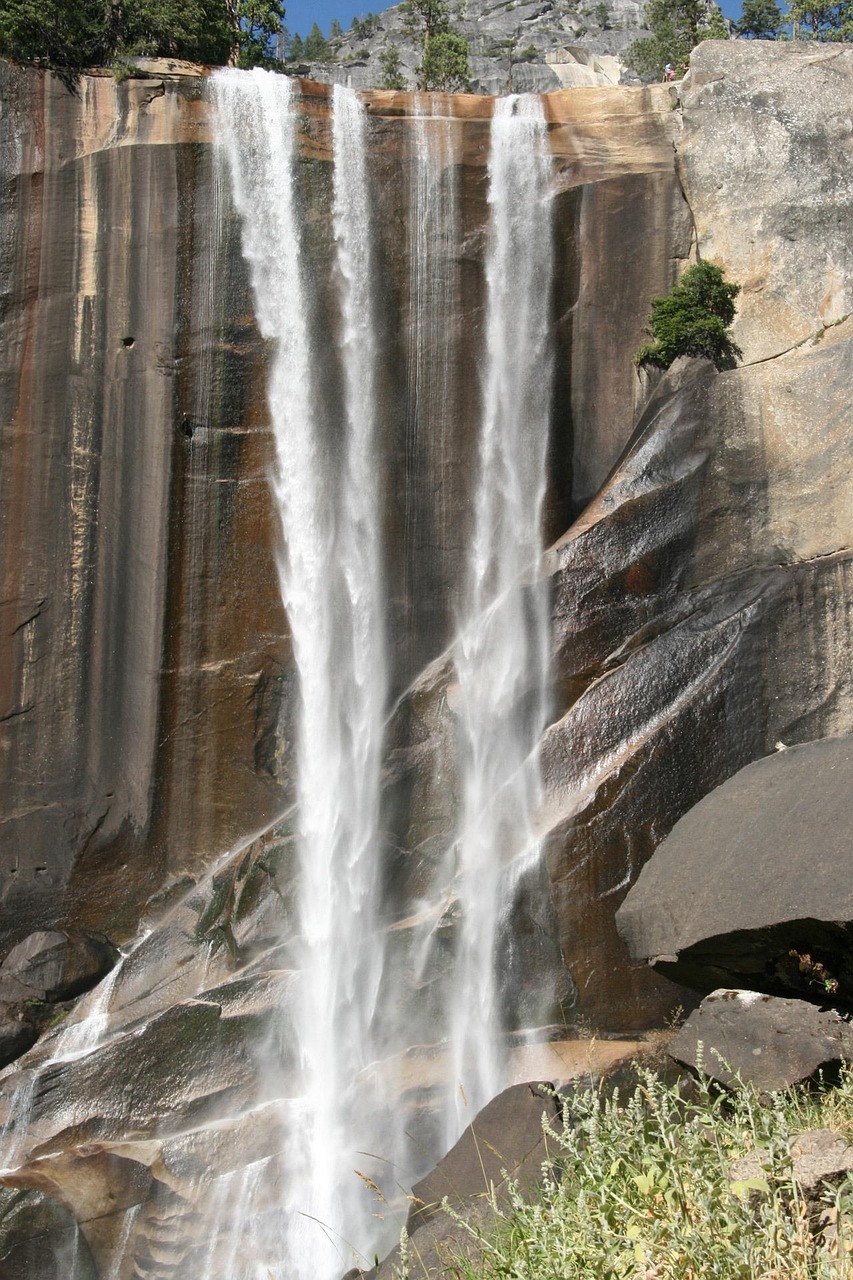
(644, 1189)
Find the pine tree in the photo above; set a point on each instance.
(315, 47)
(392, 69)
(677, 26)
(693, 319)
(760, 19)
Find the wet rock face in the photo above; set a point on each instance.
(147, 678)
(37, 979)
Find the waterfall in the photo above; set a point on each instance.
(331, 584)
(323, 395)
(502, 653)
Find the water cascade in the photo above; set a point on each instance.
(331, 504)
(330, 571)
(380, 989)
(502, 653)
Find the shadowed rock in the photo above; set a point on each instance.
(754, 886)
(770, 1043)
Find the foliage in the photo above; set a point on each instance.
(444, 58)
(336, 31)
(601, 13)
(260, 24)
(73, 34)
(444, 65)
(364, 27)
(392, 69)
(677, 26)
(296, 49)
(59, 33)
(693, 319)
(315, 47)
(760, 19)
(645, 1188)
(823, 21)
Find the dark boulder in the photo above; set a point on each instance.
(768, 1042)
(754, 885)
(505, 1140)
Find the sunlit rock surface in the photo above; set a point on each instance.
(700, 591)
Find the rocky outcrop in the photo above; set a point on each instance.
(531, 46)
(37, 979)
(762, 1040)
(767, 138)
(752, 886)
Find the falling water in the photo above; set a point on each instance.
(332, 590)
(501, 657)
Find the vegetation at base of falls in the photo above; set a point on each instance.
(444, 58)
(693, 319)
(677, 26)
(70, 35)
(648, 1189)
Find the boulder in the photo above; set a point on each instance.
(56, 965)
(818, 1156)
(754, 885)
(768, 1042)
(506, 1140)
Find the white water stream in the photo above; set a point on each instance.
(502, 654)
(331, 581)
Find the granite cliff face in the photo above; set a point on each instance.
(700, 562)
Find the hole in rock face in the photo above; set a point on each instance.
(127, 342)
(188, 427)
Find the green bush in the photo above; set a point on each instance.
(648, 1187)
(693, 319)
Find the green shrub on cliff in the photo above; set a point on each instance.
(693, 319)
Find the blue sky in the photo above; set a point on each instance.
(301, 14)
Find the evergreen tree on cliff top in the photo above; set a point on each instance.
(760, 19)
(69, 35)
(677, 26)
(444, 62)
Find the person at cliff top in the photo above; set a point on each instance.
(669, 72)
